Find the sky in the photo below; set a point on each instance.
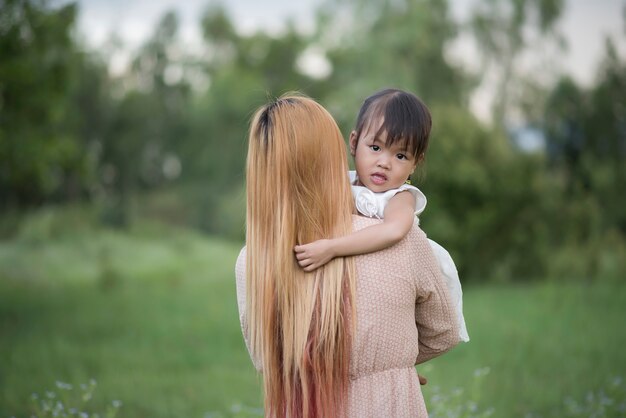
(584, 23)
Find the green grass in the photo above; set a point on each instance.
(541, 345)
(151, 315)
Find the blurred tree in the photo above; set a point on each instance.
(484, 199)
(586, 134)
(373, 44)
(68, 126)
(142, 144)
(564, 126)
(220, 37)
(504, 30)
(158, 72)
(586, 139)
(481, 193)
(606, 132)
(40, 67)
(243, 72)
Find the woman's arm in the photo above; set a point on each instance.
(399, 218)
(435, 316)
(240, 274)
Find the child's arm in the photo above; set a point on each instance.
(399, 217)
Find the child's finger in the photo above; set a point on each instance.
(298, 248)
(300, 256)
(305, 263)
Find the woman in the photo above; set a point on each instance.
(343, 340)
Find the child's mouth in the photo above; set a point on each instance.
(378, 179)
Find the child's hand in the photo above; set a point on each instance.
(315, 254)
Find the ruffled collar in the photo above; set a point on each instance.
(372, 204)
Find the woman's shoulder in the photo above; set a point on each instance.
(405, 259)
(414, 236)
(240, 265)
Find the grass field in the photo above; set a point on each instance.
(150, 314)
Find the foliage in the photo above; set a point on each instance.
(586, 144)
(400, 42)
(166, 137)
(478, 187)
(505, 29)
(41, 157)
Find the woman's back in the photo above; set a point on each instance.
(403, 317)
(396, 289)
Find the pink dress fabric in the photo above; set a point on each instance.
(404, 317)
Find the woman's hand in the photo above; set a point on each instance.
(315, 254)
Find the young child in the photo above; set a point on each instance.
(390, 139)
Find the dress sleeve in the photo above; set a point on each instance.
(420, 198)
(451, 278)
(435, 315)
(240, 273)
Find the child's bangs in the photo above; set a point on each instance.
(401, 115)
(399, 125)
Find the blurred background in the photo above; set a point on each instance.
(123, 132)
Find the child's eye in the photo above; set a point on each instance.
(374, 147)
(402, 157)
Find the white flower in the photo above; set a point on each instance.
(482, 371)
(65, 386)
(366, 202)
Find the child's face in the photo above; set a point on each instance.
(380, 167)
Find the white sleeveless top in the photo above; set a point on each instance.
(372, 205)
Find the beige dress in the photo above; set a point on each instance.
(404, 317)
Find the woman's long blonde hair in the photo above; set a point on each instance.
(300, 324)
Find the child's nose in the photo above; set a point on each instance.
(383, 161)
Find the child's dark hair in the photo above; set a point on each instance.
(406, 119)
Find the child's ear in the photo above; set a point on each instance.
(353, 143)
